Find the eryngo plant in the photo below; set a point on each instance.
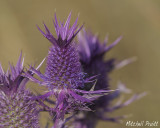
(76, 75)
(92, 53)
(63, 75)
(17, 110)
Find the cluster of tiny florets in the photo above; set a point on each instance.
(17, 110)
(63, 67)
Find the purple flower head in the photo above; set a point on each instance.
(63, 67)
(92, 53)
(16, 108)
(63, 75)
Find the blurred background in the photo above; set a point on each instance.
(137, 20)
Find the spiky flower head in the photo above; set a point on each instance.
(16, 108)
(63, 75)
(92, 53)
(63, 67)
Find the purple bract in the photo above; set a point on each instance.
(16, 108)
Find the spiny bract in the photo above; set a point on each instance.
(17, 110)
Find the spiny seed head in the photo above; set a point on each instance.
(16, 108)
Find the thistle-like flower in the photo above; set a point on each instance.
(92, 53)
(16, 108)
(63, 75)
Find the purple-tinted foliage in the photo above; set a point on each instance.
(63, 75)
(16, 108)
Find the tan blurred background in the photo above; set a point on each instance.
(137, 20)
